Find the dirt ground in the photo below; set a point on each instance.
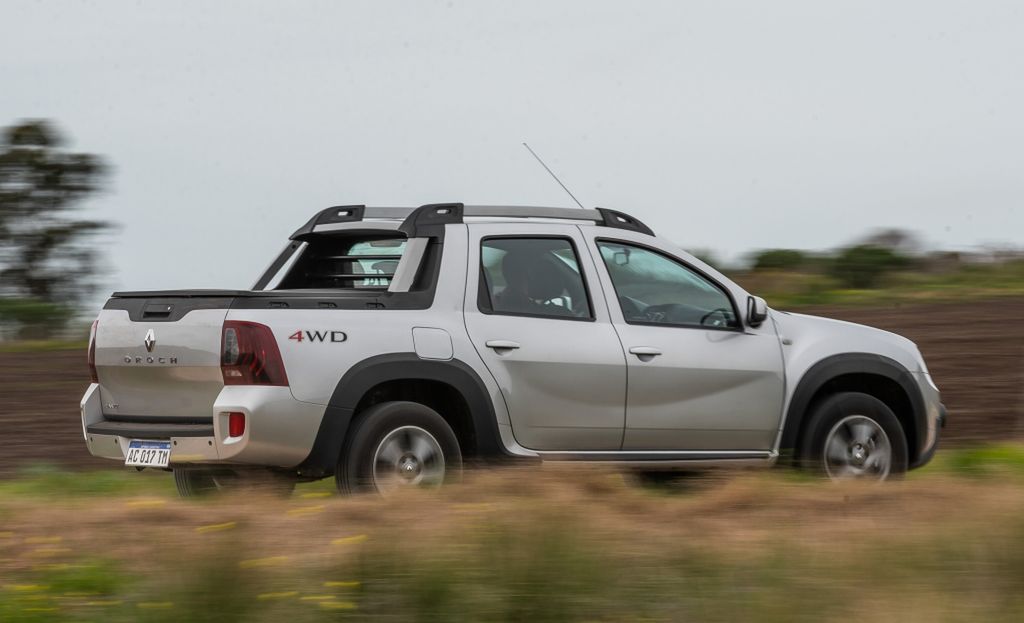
(39, 395)
(974, 350)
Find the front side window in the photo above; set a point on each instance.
(346, 263)
(532, 277)
(654, 289)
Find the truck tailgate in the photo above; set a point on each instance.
(158, 357)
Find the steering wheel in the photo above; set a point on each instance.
(717, 310)
(630, 309)
(565, 309)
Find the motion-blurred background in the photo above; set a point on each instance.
(860, 160)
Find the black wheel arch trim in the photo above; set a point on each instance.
(835, 366)
(368, 373)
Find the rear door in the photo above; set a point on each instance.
(536, 316)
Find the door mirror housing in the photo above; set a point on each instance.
(757, 311)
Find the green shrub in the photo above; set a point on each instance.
(779, 259)
(26, 318)
(863, 266)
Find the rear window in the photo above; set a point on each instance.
(348, 263)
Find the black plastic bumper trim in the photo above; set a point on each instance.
(157, 430)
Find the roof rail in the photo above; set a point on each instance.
(334, 214)
(428, 221)
(621, 220)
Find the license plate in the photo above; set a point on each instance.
(143, 453)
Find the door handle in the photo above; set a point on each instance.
(502, 345)
(644, 353)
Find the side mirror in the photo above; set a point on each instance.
(757, 311)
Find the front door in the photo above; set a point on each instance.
(697, 379)
(545, 335)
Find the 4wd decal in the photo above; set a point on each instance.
(319, 336)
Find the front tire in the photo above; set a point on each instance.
(397, 445)
(854, 436)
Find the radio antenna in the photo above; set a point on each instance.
(552, 173)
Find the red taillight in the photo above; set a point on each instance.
(236, 424)
(91, 358)
(249, 355)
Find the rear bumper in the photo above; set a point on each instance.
(279, 430)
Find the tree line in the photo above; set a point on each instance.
(48, 253)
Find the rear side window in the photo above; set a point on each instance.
(532, 277)
(347, 263)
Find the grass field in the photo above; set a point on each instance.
(793, 289)
(524, 544)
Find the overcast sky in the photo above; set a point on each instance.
(723, 125)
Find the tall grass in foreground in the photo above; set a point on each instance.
(947, 545)
(544, 571)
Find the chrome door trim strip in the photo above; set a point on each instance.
(647, 456)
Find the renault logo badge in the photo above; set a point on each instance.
(150, 340)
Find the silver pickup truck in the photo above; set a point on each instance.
(388, 346)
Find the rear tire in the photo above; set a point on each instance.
(396, 445)
(200, 482)
(195, 482)
(854, 436)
